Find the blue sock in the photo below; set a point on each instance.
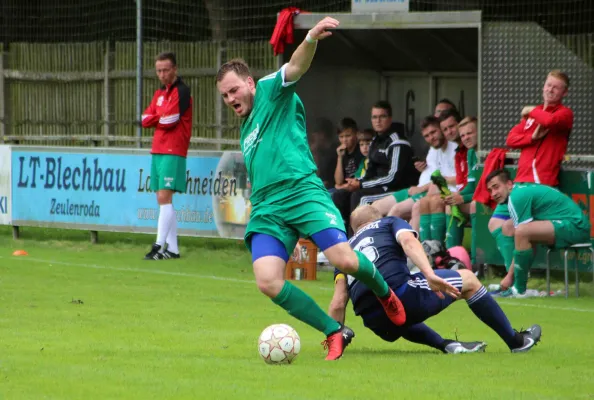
(488, 311)
(422, 334)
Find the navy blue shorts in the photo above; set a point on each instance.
(420, 303)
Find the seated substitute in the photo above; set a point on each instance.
(432, 220)
(400, 203)
(466, 171)
(390, 165)
(348, 152)
(387, 242)
(541, 215)
(365, 137)
(390, 160)
(442, 106)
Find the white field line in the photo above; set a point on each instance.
(247, 281)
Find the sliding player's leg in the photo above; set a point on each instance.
(421, 303)
(490, 313)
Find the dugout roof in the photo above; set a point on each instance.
(427, 42)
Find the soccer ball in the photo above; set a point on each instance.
(279, 344)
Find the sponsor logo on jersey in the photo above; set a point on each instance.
(250, 140)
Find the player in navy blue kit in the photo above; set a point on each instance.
(387, 242)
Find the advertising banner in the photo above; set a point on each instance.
(5, 198)
(109, 190)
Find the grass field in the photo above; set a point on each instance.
(82, 321)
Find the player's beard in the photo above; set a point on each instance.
(246, 106)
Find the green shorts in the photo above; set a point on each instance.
(402, 195)
(568, 233)
(168, 172)
(301, 210)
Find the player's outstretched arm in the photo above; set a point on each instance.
(339, 299)
(414, 250)
(303, 55)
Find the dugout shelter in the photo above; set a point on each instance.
(413, 59)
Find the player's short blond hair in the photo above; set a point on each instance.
(466, 121)
(557, 73)
(363, 215)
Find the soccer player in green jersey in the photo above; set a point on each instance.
(288, 199)
(541, 135)
(463, 199)
(540, 214)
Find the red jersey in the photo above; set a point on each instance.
(170, 113)
(540, 160)
(461, 160)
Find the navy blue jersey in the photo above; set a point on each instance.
(377, 241)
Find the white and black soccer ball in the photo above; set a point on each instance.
(279, 344)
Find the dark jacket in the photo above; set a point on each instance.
(391, 163)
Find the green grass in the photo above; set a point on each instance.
(82, 321)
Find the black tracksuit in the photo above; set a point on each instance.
(390, 169)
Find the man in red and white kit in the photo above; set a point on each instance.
(542, 136)
(170, 113)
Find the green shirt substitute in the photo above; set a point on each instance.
(541, 203)
(473, 176)
(274, 140)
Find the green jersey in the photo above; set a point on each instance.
(274, 139)
(473, 176)
(541, 203)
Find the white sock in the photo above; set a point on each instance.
(164, 224)
(172, 235)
